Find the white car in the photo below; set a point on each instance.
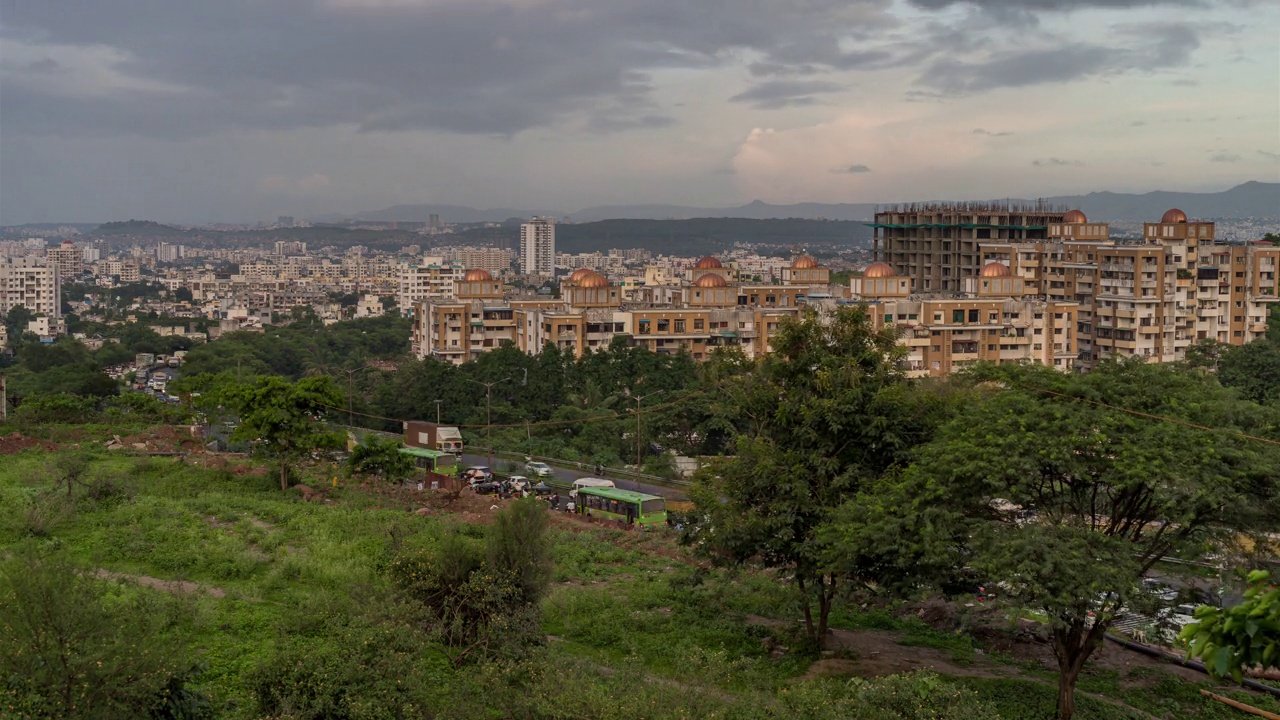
(539, 469)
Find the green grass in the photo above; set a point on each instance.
(637, 629)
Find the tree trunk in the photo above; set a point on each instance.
(284, 476)
(1073, 646)
(825, 598)
(808, 614)
(1066, 695)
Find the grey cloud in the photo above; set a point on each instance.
(1269, 155)
(988, 133)
(774, 94)
(1056, 162)
(1051, 5)
(1224, 157)
(1145, 48)
(1184, 83)
(491, 67)
(856, 169)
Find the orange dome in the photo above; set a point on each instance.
(879, 270)
(804, 262)
(1075, 216)
(1174, 216)
(477, 275)
(708, 263)
(711, 280)
(593, 280)
(995, 269)
(580, 273)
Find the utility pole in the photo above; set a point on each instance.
(638, 399)
(4, 400)
(488, 416)
(438, 411)
(351, 392)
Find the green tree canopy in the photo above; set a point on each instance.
(1051, 488)
(283, 418)
(1243, 636)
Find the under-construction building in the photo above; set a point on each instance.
(936, 244)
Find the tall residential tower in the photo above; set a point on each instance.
(538, 247)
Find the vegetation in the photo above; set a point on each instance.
(1244, 636)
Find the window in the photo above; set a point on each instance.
(644, 327)
(697, 324)
(993, 317)
(937, 317)
(679, 326)
(664, 325)
(888, 317)
(957, 316)
(973, 316)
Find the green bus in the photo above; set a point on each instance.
(435, 461)
(626, 506)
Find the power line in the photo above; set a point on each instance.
(1139, 413)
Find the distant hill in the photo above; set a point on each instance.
(138, 228)
(704, 236)
(1252, 199)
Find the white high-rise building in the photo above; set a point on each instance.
(538, 247)
(32, 283)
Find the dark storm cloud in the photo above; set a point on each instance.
(1149, 48)
(783, 93)
(471, 66)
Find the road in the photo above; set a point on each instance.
(567, 475)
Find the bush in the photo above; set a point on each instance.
(59, 408)
(73, 646)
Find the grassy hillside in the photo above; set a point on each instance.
(285, 598)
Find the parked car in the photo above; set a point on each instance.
(476, 474)
(539, 469)
(487, 487)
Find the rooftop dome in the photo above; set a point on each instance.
(708, 263)
(995, 269)
(580, 273)
(477, 275)
(710, 280)
(804, 262)
(879, 270)
(1174, 216)
(1075, 216)
(593, 280)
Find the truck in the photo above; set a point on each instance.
(144, 360)
(432, 436)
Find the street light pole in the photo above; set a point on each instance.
(638, 399)
(488, 416)
(438, 411)
(351, 383)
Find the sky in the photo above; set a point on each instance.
(240, 110)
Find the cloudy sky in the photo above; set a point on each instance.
(239, 110)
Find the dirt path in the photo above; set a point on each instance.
(173, 586)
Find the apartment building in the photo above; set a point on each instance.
(30, 282)
(693, 317)
(538, 247)
(68, 259)
(432, 278)
(993, 320)
(493, 260)
(936, 245)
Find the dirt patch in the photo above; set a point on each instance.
(172, 586)
(877, 653)
(16, 443)
(166, 439)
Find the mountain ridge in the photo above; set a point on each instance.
(1250, 199)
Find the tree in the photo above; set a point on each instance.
(381, 457)
(821, 416)
(285, 418)
(1247, 635)
(1049, 487)
(1253, 369)
(70, 651)
(183, 294)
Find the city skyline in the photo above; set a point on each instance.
(242, 111)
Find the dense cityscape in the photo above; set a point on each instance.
(639, 360)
